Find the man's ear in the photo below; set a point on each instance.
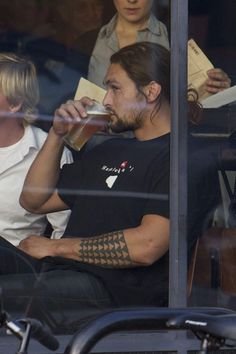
(152, 91)
(16, 107)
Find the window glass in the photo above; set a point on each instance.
(213, 260)
(115, 185)
(46, 48)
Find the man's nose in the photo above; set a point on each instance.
(107, 100)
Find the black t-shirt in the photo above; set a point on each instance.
(114, 185)
(111, 188)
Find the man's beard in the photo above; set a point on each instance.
(121, 126)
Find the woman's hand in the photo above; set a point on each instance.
(218, 81)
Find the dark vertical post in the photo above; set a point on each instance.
(178, 154)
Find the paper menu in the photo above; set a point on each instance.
(198, 65)
(89, 89)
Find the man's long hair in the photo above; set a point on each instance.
(145, 62)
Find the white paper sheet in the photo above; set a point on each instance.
(220, 99)
(89, 89)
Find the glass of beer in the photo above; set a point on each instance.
(97, 118)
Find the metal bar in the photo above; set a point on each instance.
(129, 320)
(178, 154)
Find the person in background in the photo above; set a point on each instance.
(134, 22)
(19, 144)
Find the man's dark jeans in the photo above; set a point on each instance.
(63, 298)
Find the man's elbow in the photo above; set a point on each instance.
(28, 205)
(151, 254)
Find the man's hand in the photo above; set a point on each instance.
(37, 246)
(70, 113)
(218, 80)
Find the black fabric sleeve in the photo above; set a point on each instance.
(158, 197)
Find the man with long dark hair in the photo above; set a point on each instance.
(117, 239)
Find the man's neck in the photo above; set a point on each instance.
(11, 131)
(155, 125)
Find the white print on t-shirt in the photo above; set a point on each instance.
(110, 181)
(124, 166)
(121, 169)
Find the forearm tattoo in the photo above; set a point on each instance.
(108, 250)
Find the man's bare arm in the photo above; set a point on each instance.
(39, 194)
(140, 246)
(108, 250)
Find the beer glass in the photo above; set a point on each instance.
(97, 118)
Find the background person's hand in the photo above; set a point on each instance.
(218, 80)
(70, 113)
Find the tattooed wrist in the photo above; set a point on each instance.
(108, 250)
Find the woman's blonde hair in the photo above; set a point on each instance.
(19, 84)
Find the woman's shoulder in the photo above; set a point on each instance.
(108, 28)
(158, 30)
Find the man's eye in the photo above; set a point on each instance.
(114, 88)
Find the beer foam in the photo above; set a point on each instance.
(97, 112)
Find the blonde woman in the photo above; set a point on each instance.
(19, 144)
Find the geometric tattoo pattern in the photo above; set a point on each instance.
(108, 250)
